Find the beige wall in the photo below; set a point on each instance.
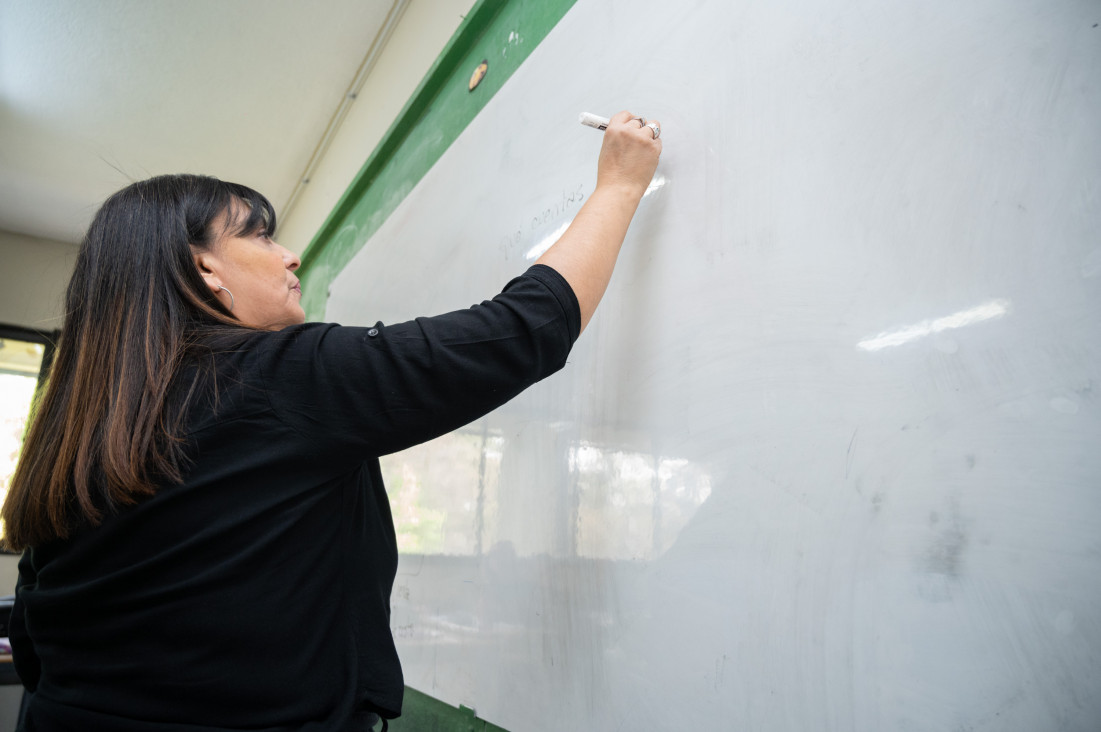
(417, 40)
(36, 272)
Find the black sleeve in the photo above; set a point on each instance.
(26, 662)
(364, 392)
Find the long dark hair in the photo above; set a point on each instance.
(107, 429)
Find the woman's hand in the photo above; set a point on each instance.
(629, 154)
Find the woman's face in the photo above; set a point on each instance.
(259, 273)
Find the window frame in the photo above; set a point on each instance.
(48, 339)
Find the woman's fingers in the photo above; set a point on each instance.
(630, 151)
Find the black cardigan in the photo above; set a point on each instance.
(256, 595)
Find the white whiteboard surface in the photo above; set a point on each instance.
(829, 455)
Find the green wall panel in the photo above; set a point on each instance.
(434, 117)
(422, 713)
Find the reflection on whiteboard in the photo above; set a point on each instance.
(986, 311)
(445, 498)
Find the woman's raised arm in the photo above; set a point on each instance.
(586, 254)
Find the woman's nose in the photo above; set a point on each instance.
(291, 259)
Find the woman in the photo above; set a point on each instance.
(207, 541)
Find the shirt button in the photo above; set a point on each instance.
(372, 332)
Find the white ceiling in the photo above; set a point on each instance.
(97, 93)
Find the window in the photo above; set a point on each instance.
(24, 356)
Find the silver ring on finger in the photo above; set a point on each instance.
(655, 128)
(641, 121)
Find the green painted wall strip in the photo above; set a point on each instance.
(422, 713)
(431, 120)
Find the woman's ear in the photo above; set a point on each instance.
(207, 264)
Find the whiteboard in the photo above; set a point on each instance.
(827, 458)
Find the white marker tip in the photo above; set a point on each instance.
(592, 120)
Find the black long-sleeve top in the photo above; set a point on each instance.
(255, 595)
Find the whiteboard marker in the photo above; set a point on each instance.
(591, 120)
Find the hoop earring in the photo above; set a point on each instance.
(232, 302)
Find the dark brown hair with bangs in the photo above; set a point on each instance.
(106, 430)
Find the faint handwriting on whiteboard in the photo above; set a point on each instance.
(548, 241)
